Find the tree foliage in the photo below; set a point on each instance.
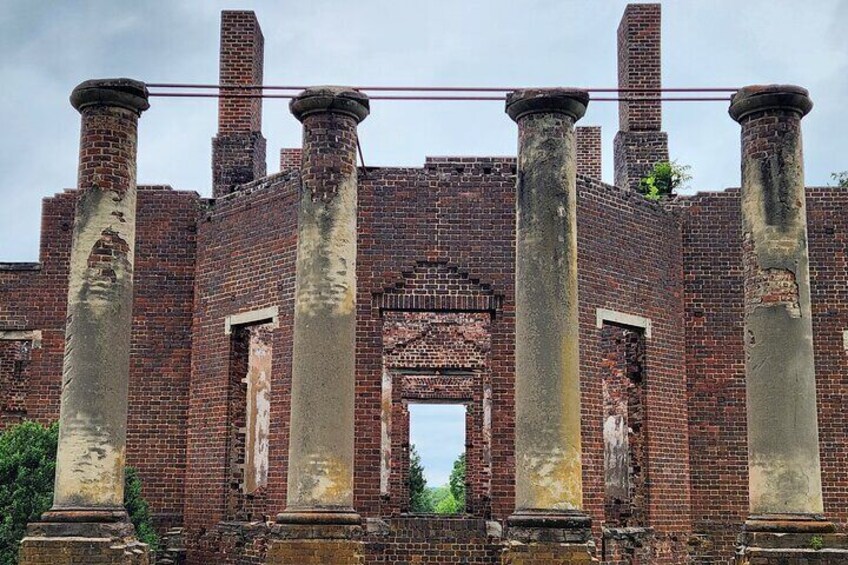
(419, 499)
(27, 468)
(27, 465)
(663, 179)
(457, 483)
(840, 178)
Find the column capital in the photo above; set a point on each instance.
(569, 101)
(121, 92)
(335, 99)
(761, 97)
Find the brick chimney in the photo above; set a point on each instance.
(640, 143)
(588, 151)
(238, 151)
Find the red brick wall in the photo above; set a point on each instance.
(715, 363)
(160, 347)
(245, 262)
(459, 212)
(589, 151)
(639, 66)
(639, 144)
(290, 159)
(238, 151)
(629, 261)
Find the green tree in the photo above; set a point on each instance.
(448, 504)
(841, 178)
(457, 483)
(419, 499)
(663, 179)
(27, 467)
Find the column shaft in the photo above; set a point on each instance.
(547, 382)
(93, 415)
(321, 445)
(783, 447)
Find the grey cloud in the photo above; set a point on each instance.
(48, 47)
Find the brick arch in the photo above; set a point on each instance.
(437, 286)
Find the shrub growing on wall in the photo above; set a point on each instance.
(663, 179)
(27, 467)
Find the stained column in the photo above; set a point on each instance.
(783, 446)
(320, 476)
(93, 414)
(548, 481)
(87, 522)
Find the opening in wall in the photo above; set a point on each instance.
(15, 358)
(251, 352)
(436, 462)
(623, 382)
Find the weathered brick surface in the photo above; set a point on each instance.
(160, 347)
(290, 159)
(589, 151)
(15, 358)
(639, 66)
(714, 308)
(82, 551)
(639, 144)
(238, 151)
(546, 554)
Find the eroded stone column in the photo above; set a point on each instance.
(89, 486)
(320, 476)
(548, 474)
(783, 447)
(786, 522)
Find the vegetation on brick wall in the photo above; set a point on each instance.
(27, 467)
(841, 178)
(663, 179)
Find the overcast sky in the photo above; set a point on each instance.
(49, 47)
(46, 48)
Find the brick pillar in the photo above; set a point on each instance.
(640, 143)
(290, 159)
(88, 499)
(548, 468)
(785, 491)
(238, 151)
(589, 151)
(319, 516)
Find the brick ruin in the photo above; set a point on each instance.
(280, 328)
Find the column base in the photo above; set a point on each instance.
(791, 539)
(93, 537)
(550, 538)
(316, 537)
(791, 548)
(788, 523)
